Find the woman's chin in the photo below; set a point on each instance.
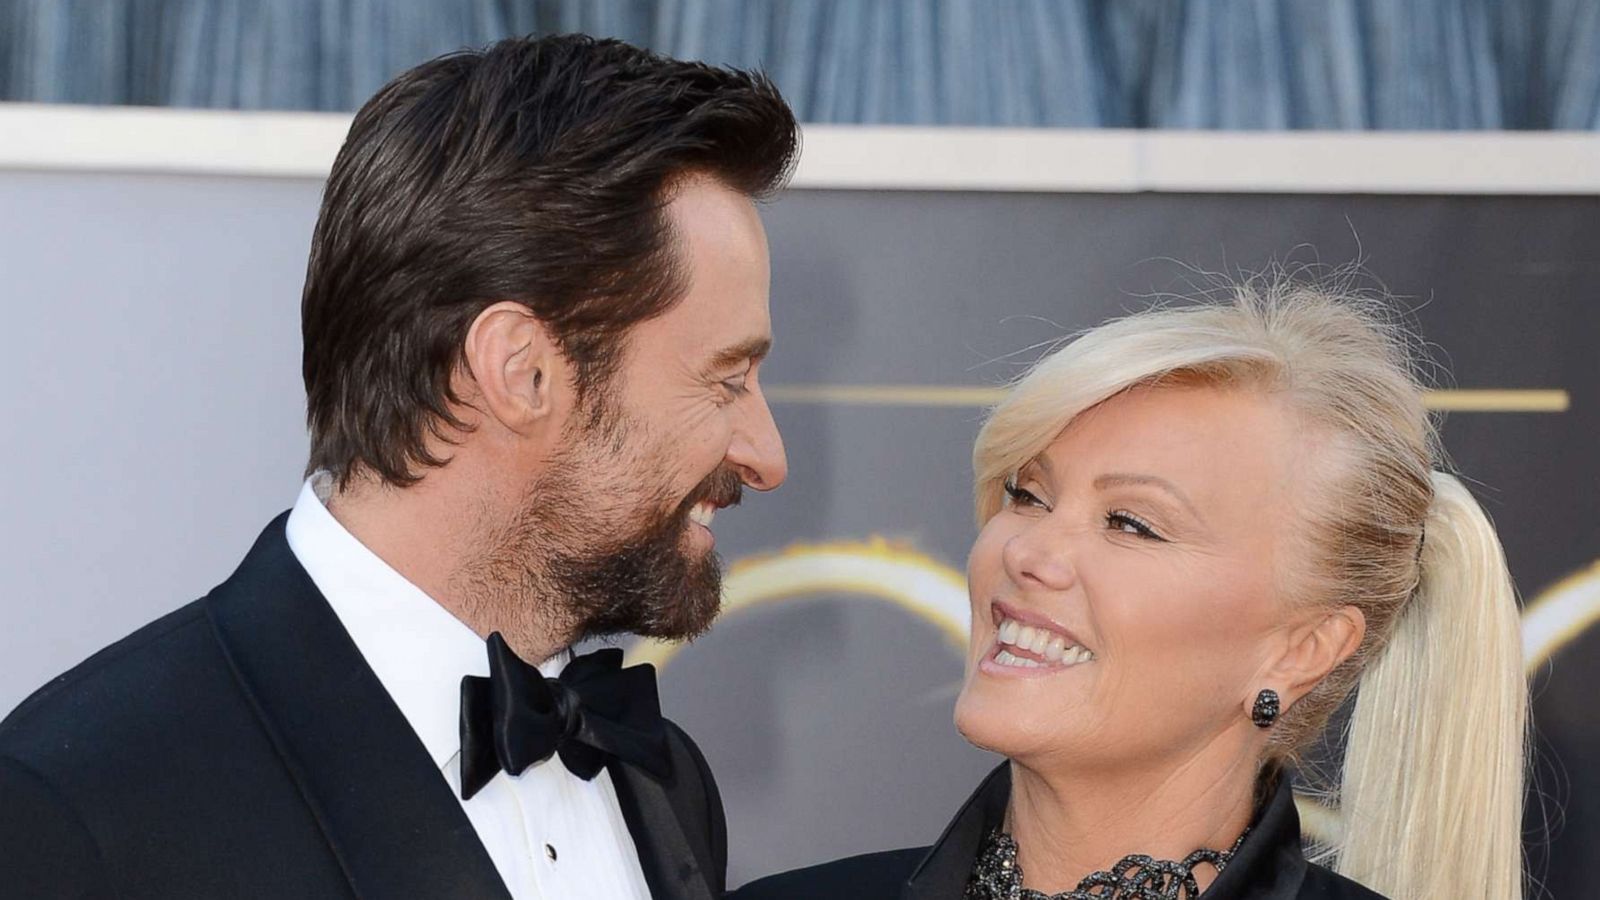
(1008, 725)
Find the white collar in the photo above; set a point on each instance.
(418, 650)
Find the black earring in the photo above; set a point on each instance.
(1265, 712)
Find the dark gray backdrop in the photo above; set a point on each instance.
(154, 425)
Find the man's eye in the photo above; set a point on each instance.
(1023, 497)
(731, 389)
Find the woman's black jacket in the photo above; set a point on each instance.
(1270, 865)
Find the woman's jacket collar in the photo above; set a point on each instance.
(1269, 865)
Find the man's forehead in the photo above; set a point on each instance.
(702, 340)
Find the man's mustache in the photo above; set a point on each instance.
(722, 488)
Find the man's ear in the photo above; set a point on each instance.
(516, 365)
(1313, 649)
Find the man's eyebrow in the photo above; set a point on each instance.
(754, 349)
(1117, 479)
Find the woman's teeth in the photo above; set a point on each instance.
(702, 514)
(1051, 647)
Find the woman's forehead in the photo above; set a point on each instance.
(1211, 442)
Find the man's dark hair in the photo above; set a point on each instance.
(536, 170)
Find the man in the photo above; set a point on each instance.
(534, 320)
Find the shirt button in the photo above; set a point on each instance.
(550, 852)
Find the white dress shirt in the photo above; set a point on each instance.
(552, 835)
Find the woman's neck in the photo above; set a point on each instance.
(1069, 824)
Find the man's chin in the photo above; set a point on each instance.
(686, 600)
(695, 610)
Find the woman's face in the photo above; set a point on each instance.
(1123, 600)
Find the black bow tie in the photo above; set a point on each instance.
(596, 710)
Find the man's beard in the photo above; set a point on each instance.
(576, 564)
(648, 584)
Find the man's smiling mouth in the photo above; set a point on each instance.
(702, 513)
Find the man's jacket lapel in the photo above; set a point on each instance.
(383, 807)
(671, 867)
(676, 822)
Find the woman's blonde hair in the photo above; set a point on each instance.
(1432, 787)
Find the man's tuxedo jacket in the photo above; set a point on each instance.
(240, 747)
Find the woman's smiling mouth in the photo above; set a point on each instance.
(1024, 642)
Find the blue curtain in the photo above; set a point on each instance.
(1348, 64)
(1571, 67)
(1236, 64)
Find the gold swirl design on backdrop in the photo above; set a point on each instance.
(894, 572)
(1558, 615)
(1477, 400)
(878, 568)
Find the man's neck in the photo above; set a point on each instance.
(431, 533)
(1071, 823)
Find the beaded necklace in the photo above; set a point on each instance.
(997, 875)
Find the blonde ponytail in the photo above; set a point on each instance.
(1432, 789)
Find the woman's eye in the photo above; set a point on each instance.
(1023, 497)
(1128, 523)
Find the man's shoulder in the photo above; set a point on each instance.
(124, 682)
(870, 876)
(1325, 884)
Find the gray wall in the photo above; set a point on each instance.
(153, 410)
(154, 425)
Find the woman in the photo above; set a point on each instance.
(1202, 528)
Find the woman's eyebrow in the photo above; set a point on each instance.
(1123, 479)
(1040, 462)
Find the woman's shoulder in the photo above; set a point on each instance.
(1325, 884)
(871, 876)
(883, 876)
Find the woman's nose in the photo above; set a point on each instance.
(1040, 556)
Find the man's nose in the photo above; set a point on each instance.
(757, 448)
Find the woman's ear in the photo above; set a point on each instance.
(516, 365)
(1314, 648)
